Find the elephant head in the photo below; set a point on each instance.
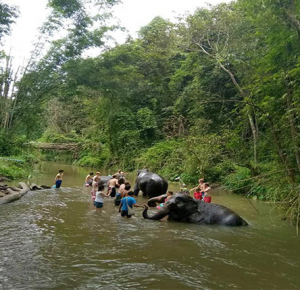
(177, 208)
(142, 172)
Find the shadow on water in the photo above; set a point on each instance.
(54, 239)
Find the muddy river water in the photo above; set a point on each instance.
(54, 239)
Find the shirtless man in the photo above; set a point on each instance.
(89, 179)
(58, 177)
(124, 189)
(111, 184)
(207, 196)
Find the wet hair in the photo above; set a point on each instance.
(130, 193)
(97, 172)
(170, 191)
(127, 186)
(206, 184)
(60, 171)
(91, 173)
(114, 176)
(121, 181)
(101, 186)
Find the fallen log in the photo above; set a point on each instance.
(14, 194)
(55, 146)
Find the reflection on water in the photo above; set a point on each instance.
(53, 239)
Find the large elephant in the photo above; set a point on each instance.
(184, 208)
(150, 184)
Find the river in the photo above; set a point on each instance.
(54, 239)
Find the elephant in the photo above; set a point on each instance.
(104, 179)
(150, 184)
(184, 208)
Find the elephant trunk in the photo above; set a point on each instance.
(159, 215)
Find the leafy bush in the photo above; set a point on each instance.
(239, 181)
(164, 157)
(13, 169)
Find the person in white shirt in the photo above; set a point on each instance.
(98, 202)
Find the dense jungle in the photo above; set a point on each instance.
(214, 94)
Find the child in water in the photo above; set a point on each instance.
(198, 193)
(95, 183)
(98, 202)
(169, 196)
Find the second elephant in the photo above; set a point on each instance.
(151, 184)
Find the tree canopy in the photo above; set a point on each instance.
(214, 94)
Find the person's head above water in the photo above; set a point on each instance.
(91, 173)
(127, 186)
(60, 171)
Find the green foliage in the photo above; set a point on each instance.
(7, 15)
(52, 137)
(239, 181)
(16, 167)
(214, 95)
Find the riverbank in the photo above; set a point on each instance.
(16, 168)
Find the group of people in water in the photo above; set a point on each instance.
(202, 191)
(118, 187)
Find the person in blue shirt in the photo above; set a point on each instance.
(128, 201)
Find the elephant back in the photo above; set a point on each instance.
(152, 184)
(219, 214)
